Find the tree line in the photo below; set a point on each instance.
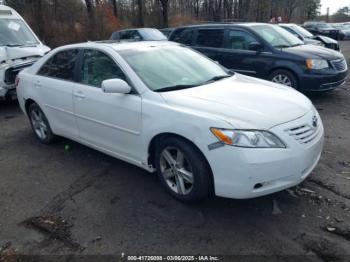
(60, 22)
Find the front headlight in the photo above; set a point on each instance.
(316, 64)
(248, 138)
(3, 65)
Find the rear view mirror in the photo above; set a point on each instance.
(255, 46)
(116, 86)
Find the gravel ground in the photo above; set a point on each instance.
(69, 199)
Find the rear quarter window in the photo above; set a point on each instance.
(61, 65)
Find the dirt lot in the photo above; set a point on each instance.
(69, 199)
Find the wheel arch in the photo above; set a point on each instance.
(27, 104)
(286, 68)
(155, 140)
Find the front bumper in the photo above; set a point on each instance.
(320, 82)
(248, 172)
(7, 91)
(8, 76)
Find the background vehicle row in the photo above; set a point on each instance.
(268, 52)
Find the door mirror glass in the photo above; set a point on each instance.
(255, 46)
(116, 86)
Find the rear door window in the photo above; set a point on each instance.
(61, 65)
(240, 40)
(210, 38)
(183, 36)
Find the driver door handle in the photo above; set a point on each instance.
(79, 95)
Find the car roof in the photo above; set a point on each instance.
(248, 24)
(4, 7)
(133, 29)
(124, 45)
(9, 12)
(290, 24)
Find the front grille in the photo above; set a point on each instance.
(304, 134)
(12, 72)
(339, 65)
(333, 46)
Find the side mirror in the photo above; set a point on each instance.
(255, 46)
(115, 86)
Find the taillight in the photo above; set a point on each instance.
(17, 81)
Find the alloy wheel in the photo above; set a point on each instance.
(39, 124)
(176, 170)
(282, 79)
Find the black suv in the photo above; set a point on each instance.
(268, 52)
(322, 28)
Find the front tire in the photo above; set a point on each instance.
(40, 124)
(183, 170)
(284, 77)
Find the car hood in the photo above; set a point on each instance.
(310, 41)
(315, 52)
(26, 52)
(242, 101)
(325, 39)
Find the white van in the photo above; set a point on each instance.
(19, 48)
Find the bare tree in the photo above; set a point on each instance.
(164, 6)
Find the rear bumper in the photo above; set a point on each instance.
(319, 83)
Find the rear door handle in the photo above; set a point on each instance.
(79, 94)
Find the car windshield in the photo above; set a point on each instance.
(342, 27)
(14, 32)
(152, 34)
(166, 68)
(301, 31)
(324, 26)
(276, 36)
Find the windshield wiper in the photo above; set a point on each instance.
(282, 46)
(297, 45)
(12, 45)
(217, 78)
(179, 87)
(174, 88)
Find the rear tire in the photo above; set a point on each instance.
(284, 77)
(40, 124)
(183, 170)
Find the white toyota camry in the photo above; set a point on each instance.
(169, 109)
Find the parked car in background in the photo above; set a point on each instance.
(344, 30)
(139, 34)
(167, 108)
(19, 48)
(167, 31)
(309, 38)
(322, 28)
(268, 52)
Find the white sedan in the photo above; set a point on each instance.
(166, 108)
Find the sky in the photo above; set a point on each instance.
(333, 5)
